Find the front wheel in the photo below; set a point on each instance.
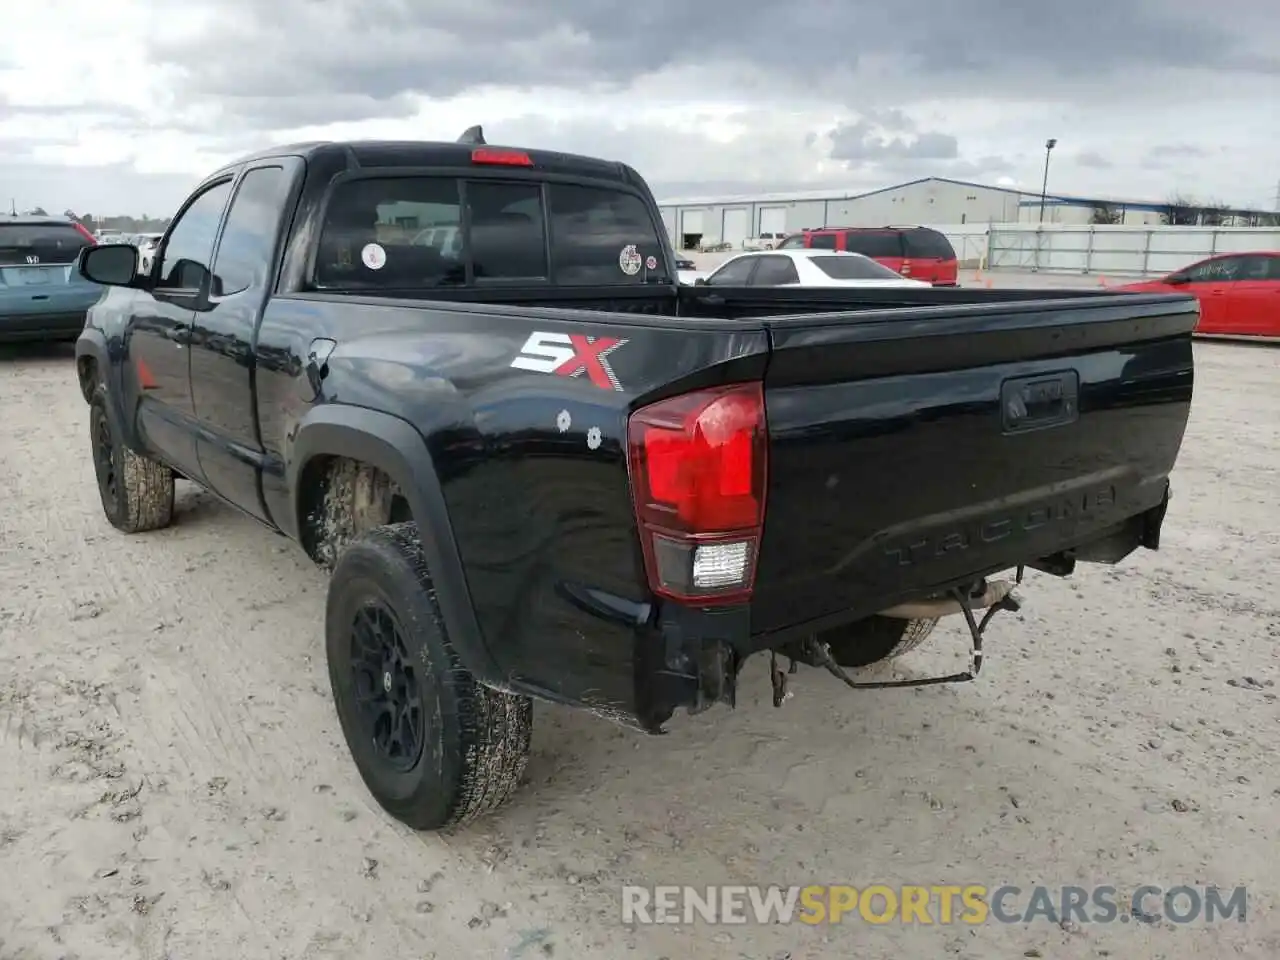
(136, 492)
(434, 746)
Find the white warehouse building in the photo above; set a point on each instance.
(931, 201)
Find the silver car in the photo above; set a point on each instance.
(146, 244)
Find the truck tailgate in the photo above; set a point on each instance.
(913, 449)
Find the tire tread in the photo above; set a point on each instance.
(147, 486)
(495, 727)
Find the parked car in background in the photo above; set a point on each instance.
(766, 241)
(42, 294)
(687, 271)
(1239, 293)
(146, 244)
(806, 268)
(916, 252)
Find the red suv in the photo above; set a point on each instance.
(916, 252)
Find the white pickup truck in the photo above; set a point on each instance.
(766, 241)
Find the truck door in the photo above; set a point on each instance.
(222, 356)
(158, 332)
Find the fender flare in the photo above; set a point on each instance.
(396, 448)
(92, 345)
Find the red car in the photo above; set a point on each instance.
(1239, 293)
(915, 252)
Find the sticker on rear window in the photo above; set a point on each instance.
(629, 260)
(373, 256)
(652, 263)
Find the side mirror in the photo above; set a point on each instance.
(111, 264)
(701, 282)
(1176, 278)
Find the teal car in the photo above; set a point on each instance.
(42, 295)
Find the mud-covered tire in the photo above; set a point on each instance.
(473, 742)
(875, 639)
(136, 492)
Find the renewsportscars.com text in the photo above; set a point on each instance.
(970, 904)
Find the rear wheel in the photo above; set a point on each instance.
(875, 639)
(434, 746)
(136, 492)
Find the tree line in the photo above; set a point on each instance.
(124, 224)
(1180, 210)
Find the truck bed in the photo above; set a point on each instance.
(895, 468)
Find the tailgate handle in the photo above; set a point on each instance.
(1045, 400)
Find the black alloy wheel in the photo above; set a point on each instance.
(105, 461)
(387, 687)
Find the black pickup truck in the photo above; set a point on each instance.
(465, 379)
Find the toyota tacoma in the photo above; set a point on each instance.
(466, 380)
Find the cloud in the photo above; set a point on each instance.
(1174, 157)
(723, 96)
(442, 48)
(858, 142)
(1093, 160)
(1177, 151)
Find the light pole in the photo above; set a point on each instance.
(1048, 149)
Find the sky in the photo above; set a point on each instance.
(121, 107)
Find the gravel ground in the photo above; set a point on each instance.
(173, 782)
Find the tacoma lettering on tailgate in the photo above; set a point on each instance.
(992, 529)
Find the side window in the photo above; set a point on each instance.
(1221, 270)
(244, 252)
(875, 244)
(928, 245)
(775, 271)
(735, 273)
(1254, 269)
(1273, 268)
(600, 236)
(392, 232)
(505, 230)
(184, 262)
(822, 241)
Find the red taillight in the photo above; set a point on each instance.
(699, 464)
(84, 232)
(507, 158)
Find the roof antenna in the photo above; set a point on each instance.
(473, 135)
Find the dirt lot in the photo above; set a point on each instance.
(173, 783)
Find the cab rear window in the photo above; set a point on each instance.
(40, 243)
(424, 232)
(601, 237)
